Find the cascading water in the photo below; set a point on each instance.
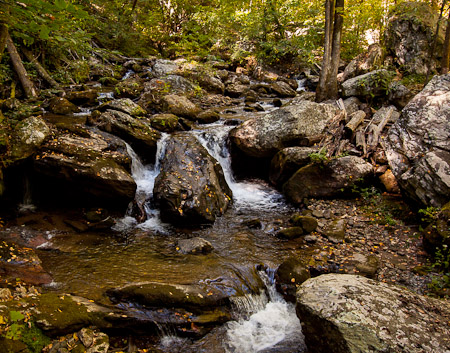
(27, 204)
(246, 194)
(264, 323)
(144, 176)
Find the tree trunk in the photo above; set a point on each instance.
(40, 69)
(433, 46)
(321, 93)
(3, 36)
(332, 91)
(445, 63)
(27, 84)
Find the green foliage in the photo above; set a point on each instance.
(429, 214)
(319, 157)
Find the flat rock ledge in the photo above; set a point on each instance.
(349, 313)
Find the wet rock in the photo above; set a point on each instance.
(311, 239)
(124, 105)
(251, 97)
(347, 313)
(364, 62)
(253, 223)
(370, 85)
(178, 83)
(208, 117)
(285, 127)
(418, 144)
(210, 83)
(62, 106)
(85, 340)
(236, 90)
(19, 262)
(290, 233)
(287, 161)
(70, 167)
(282, 89)
(192, 297)
(408, 35)
(129, 88)
(277, 102)
(326, 179)
(194, 246)
(335, 231)
(27, 137)
(87, 97)
(191, 188)
(137, 132)
(308, 223)
(180, 106)
(289, 275)
(165, 123)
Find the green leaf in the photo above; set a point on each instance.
(44, 32)
(60, 4)
(16, 316)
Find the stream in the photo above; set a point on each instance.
(88, 264)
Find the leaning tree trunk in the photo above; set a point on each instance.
(321, 91)
(3, 36)
(27, 84)
(40, 69)
(332, 91)
(445, 62)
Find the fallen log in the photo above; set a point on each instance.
(375, 131)
(40, 69)
(355, 120)
(27, 84)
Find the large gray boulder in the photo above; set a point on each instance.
(418, 144)
(409, 35)
(370, 85)
(326, 179)
(27, 136)
(163, 67)
(293, 125)
(353, 314)
(191, 187)
(180, 106)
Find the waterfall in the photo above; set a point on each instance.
(246, 194)
(264, 322)
(27, 204)
(144, 176)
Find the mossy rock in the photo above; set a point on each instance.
(165, 122)
(308, 223)
(290, 233)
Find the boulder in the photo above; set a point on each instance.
(124, 105)
(62, 106)
(180, 106)
(399, 94)
(290, 233)
(129, 88)
(347, 314)
(164, 67)
(368, 86)
(409, 34)
(326, 179)
(282, 89)
(210, 83)
(191, 187)
(289, 275)
(208, 117)
(364, 62)
(27, 137)
(85, 169)
(194, 246)
(87, 97)
(236, 90)
(308, 223)
(293, 125)
(418, 144)
(165, 122)
(137, 132)
(335, 231)
(287, 161)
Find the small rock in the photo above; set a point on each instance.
(335, 231)
(290, 233)
(307, 223)
(194, 246)
(311, 239)
(253, 223)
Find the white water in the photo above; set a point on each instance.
(264, 321)
(128, 74)
(246, 194)
(144, 176)
(27, 204)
